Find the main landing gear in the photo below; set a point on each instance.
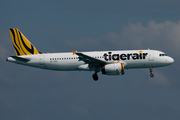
(151, 74)
(95, 76)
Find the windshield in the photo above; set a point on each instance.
(162, 54)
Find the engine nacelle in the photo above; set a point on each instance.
(113, 69)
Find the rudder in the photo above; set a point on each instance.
(21, 44)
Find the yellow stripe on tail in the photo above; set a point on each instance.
(21, 44)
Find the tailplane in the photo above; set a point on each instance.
(21, 44)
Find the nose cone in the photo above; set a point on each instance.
(170, 60)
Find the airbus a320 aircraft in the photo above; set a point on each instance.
(107, 62)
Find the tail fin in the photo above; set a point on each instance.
(21, 44)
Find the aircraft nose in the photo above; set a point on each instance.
(170, 60)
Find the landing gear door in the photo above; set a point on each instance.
(41, 60)
(151, 56)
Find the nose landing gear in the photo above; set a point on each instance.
(151, 74)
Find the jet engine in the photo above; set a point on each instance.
(113, 69)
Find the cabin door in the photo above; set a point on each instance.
(41, 59)
(151, 56)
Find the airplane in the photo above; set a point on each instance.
(107, 62)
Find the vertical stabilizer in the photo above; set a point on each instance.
(21, 44)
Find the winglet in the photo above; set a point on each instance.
(74, 52)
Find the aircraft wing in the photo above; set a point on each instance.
(89, 60)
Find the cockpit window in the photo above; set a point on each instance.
(162, 55)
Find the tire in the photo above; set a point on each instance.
(151, 75)
(95, 77)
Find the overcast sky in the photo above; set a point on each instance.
(90, 25)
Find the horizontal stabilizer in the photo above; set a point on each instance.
(20, 58)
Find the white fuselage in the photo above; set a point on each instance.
(70, 62)
(108, 62)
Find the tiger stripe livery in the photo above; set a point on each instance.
(21, 44)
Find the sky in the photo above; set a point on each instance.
(28, 93)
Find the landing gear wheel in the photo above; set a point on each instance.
(95, 76)
(151, 75)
